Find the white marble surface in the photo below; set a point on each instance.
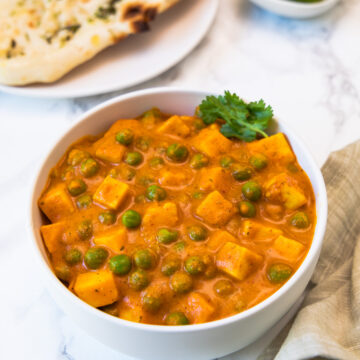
(308, 70)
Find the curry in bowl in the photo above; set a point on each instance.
(174, 220)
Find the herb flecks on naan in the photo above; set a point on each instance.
(42, 40)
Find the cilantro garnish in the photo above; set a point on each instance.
(242, 121)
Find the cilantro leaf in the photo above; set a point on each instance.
(242, 121)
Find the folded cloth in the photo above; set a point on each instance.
(328, 324)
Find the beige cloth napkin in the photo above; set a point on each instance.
(328, 324)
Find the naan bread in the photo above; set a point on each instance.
(42, 40)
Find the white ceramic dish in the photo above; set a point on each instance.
(136, 59)
(294, 9)
(203, 341)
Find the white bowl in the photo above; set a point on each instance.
(294, 9)
(204, 341)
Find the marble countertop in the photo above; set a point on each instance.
(307, 70)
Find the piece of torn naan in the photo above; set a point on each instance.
(42, 40)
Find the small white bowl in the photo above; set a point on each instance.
(296, 10)
(204, 341)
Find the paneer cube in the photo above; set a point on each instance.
(135, 314)
(56, 204)
(214, 179)
(288, 248)
(174, 126)
(96, 288)
(52, 235)
(199, 308)
(111, 193)
(275, 147)
(237, 261)
(114, 239)
(160, 215)
(285, 189)
(211, 142)
(131, 309)
(219, 238)
(172, 178)
(258, 232)
(108, 149)
(293, 198)
(215, 209)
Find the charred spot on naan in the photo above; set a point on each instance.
(138, 10)
(140, 26)
(133, 10)
(150, 13)
(139, 16)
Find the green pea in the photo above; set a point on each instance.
(76, 156)
(247, 209)
(198, 195)
(181, 282)
(278, 273)
(131, 219)
(177, 152)
(128, 174)
(84, 201)
(199, 124)
(194, 265)
(210, 271)
(197, 233)
(68, 174)
(133, 158)
(138, 280)
(155, 193)
(154, 112)
(176, 318)
(258, 161)
(73, 256)
(156, 162)
(151, 303)
(76, 187)
(140, 199)
(180, 246)
(300, 220)
(125, 137)
(143, 143)
(85, 230)
(89, 167)
(166, 236)
(251, 190)
(144, 259)
(292, 167)
(107, 217)
(198, 161)
(63, 273)
(241, 173)
(120, 264)
(124, 173)
(226, 161)
(170, 265)
(240, 305)
(95, 257)
(145, 180)
(224, 287)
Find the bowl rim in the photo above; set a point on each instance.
(294, 5)
(34, 233)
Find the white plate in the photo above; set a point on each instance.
(136, 59)
(296, 10)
